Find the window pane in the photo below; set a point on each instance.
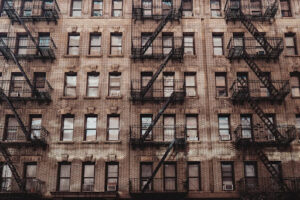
(289, 41)
(91, 122)
(30, 171)
(64, 185)
(71, 81)
(146, 170)
(68, 123)
(114, 122)
(74, 40)
(89, 170)
(65, 170)
(224, 122)
(190, 81)
(191, 122)
(215, 4)
(170, 170)
(93, 80)
(250, 170)
(112, 171)
(193, 170)
(116, 40)
(220, 81)
(217, 41)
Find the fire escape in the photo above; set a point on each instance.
(152, 92)
(28, 90)
(267, 134)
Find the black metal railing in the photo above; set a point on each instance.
(236, 46)
(25, 48)
(155, 13)
(158, 185)
(36, 10)
(19, 90)
(33, 186)
(159, 134)
(267, 185)
(257, 90)
(260, 134)
(161, 90)
(157, 50)
(15, 134)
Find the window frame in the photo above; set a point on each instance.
(108, 126)
(107, 164)
(142, 178)
(97, 10)
(66, 86)
(194, 75)
(216, 10)
(165, 37)
(75, 10)
(92, 74)
(114, 9)
(34, 116)
(91, 46)
(187, 10)
(289, 11)
(59, 177)
(172, 178)
(216, 36)
(186, 46)
(243, 128)
(5, 180)
(294, 47)
(73, 46)
(219, 88)
(195, 177)
(114, 88)
(83, 176)
(63, 125)
(232, 173)
(25, 173)
(192, 129)
(116, 46)
(86, 129)
(224, 129)
(295, 88)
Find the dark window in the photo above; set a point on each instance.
(70, 84)
(39, 80)
(290, 44)
(145, 38)
(117, 8)
(97, 9)
(169, 127)
(27, 8)
(92, 84)
(95, 44)
(167, 5)
(224, 127)
(12, 129)
(238, 39)
(88, 178)
(246, 122)
(256, 7)
(5, 4)
(264, 92)
(90, 127)
(35, 126)
(187, 8)
(147, 7)
(30, 176)
(169, 83)
(67, 127)
(243, 76)
(215, 7)
(295, 84)
(251, 175)
(114, 89)
(3, 39)
(188, 42)
(64, 171)
(112, 176)
(116, 44)
(221, 84)
(113, 127)
(192, 127)
(73, 44)
(297, 124)
(277, 166)
(194, 179)
(146, 172)
(6, 178)
(146, 120)
(218, 44)
(22, 44)
(170, 179)
(145, 78)
(168, 40)
(190, 84)
(44, 40)
(17, 86)
(285, 8)
(227, 176)
(76, 8)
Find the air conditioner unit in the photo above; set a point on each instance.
(225, 137)
(271, 137)
(111, 187)
(228, 187)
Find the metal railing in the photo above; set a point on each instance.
(158, 185)
(33, 186)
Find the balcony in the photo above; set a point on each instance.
(160, 135)
(14, 135)
(237, 46)
(267, 185)
(35, 10)
(155, 13)
(19, 90)
(258, 91)
(260, 135)
(159, 187)
(160, 91)
(25, 48)
(157, 50)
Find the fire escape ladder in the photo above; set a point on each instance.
(20, 122)
(12, 14)
(154, 77)
(170, 147)
(13, 169)
(264, 79)
(157, 31)
(271, 10)
(161, 111)
(274, 173)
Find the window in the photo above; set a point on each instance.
(95, 44)
(3, 39)
(218, 44)
(114, 89)
(113, 127)
(73, 44)
(92, 84)
(190, 84)
(238, 40)
(112, 174)
(285, 8)
(290, 43)
(192, 127)
(221, 85)
(117, 8)
(116, 44)
(243, 76)
(170, 180)
(169, 83)
(194, 177)
(256, 7)
(22, 44)
(146, 120)
(227, 176)
(295, 84)
(90, 127)
(264, 92)
(146, 172)
(250, 174)
(67, 128)
(36, 126)
(224, 127)
(64, 177)
(11, 128)
(169, 127)
(215, 8)
(30, 176)
(88, 179)
(39, 80)
(167, 5)
(27, 7)
(277, 167)
(187, 8)
(6, 178)
(188, 42)
(70, 84)
(97, 9)
(147, 8)
(76, 8)
(17, 86)
(246, 122)
(145, 78)
(167, 43)
(5, 4)
(297, 125)
(44, 41)
(145, 38)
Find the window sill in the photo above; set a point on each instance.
(91, 98)
(193, 141)
(219, 56)
(115, 56)
(190, 56)
(292, 56)
(192, 97)
(222, 98)
(71, 56)
(65, 142)
(90, 142)
(217, 17)
(69, 98)
(295, 97)
(113, 142)
(94, 56)
(118, 97)
(97, 17)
